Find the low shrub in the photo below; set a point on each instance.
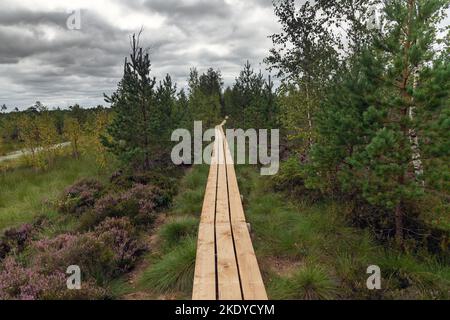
(139, 203)
(111, 249)
(163, 181)
(80, 196)
(120, 234)
(15, 239)
(94, 257)
(21, 283)
(291, 179)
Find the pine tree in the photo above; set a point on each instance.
(131, 132)
(166, 102)
(365, 124)
(251, 102)
(205, 97)
(180, 116)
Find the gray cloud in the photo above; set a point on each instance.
(197, 9)
(40, 59)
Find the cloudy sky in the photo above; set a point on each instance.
(42, 59)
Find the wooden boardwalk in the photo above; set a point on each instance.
(226, 267)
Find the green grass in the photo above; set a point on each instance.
(174, 271)
(304, 250)
(26, 193)
(177, 230)
(308, 283)
(325, 257)
(171, 263)
(192, 189)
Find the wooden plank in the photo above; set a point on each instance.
(227, 271)
(250, 275)
(205, 265)
(224, 245)
(209, 201)
(204, 287)
(222, 211)
(228, 278)
(236, 209)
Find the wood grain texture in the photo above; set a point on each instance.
(204, 287)
(227, 270)
(226, 267)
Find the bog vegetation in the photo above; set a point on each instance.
(364, 116)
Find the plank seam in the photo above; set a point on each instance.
(231, 225)
(215, 232)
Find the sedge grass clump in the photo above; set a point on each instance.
(311, 282)
(196, 178)
(190, 202)
(192, 189)
(177, 230)
(173, 272)
(405, 275)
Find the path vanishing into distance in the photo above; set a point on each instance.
(226, 267)
(20, 153)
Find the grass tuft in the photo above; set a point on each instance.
(177, 230)
(174, 272)
(192, 190)
(309, 283)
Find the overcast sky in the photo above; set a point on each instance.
(42, 59)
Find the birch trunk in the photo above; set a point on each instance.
(308, 111)
(414, 139)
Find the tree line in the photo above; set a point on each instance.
(146, 112)
(45, 134)
(366, 110)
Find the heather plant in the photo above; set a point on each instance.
(162, 180)
(30, 283)
(111, 249)
(140, 204)
(120, 234)
(80, 196)
(95, 258)
(15, 239)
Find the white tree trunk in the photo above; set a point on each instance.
(414, 139)
(308, 110)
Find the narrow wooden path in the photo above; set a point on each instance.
(226, 267)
